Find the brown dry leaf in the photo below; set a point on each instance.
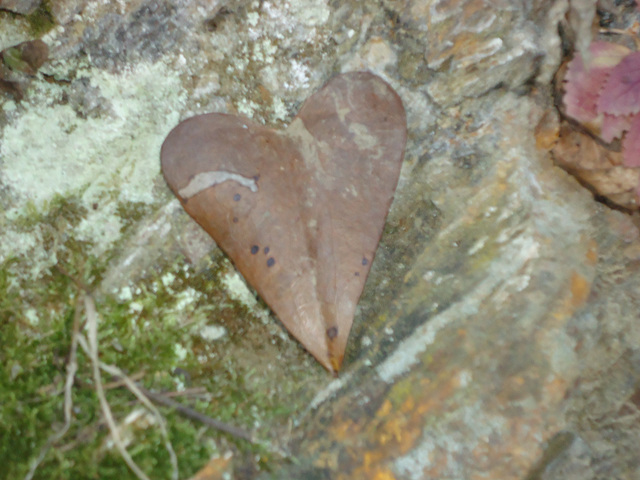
(596, 166)
(217, 468)
(300, 211)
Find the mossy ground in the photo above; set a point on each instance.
(149, 329)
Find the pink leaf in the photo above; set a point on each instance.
(582, 89)
(631, 144)
(621, 92)
(584, 83)
(613, 126)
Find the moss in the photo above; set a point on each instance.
(55, 211)
(33, 374)
(132, 212)
(32, 371)
(41, 20)
(151, 326)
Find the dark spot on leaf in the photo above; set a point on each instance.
(255, 249)
(271, 262)
(237, 197)
(357, 274)
(332, 332)
(95, 206)
(365, 261)
(266, 250)
(235, 219)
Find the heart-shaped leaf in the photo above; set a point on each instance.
(300, 211)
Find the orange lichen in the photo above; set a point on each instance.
(580, 288)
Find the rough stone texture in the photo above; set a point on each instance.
(497, 335)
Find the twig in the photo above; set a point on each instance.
(72, 368)
(194, 415)
(120, 382)
(188, 392)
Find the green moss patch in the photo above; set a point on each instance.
(41, 20)
(152, 330)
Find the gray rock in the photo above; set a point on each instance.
(497, 335)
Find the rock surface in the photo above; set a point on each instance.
(497, 336)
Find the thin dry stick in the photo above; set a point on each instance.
(194, 415)
(188, 392)
(119, 383)
(72, 368)
(212, 422)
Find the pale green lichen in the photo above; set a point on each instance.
(167, 279)
(186, 299)
(13, 30)
(247, 108)
(180, 352)
(311, 12)
(125, 294)
(262, 58)
(237, 289)
(210, 333)
(252, 18)
(49, 149)
(280, 112)
(31, 315)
